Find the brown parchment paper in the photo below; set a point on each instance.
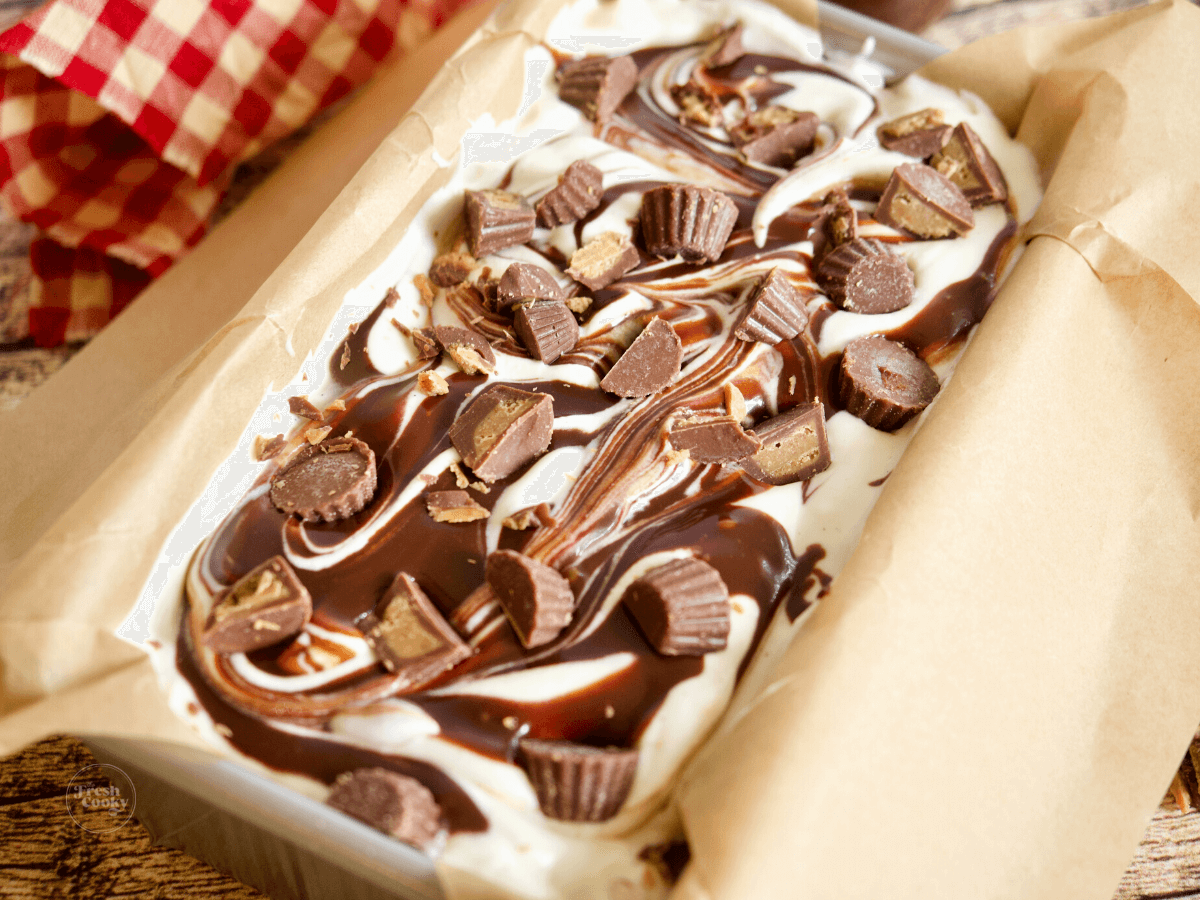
(994, 695)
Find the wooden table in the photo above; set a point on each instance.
(43, 853)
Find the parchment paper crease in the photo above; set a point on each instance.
(993, 697)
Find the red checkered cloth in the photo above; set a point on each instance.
(121, 122)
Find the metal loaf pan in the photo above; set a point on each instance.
(292, 847)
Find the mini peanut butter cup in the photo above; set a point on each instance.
(776, 136)
(681, 607)
(577, 783)
(547, 329)
(603, 260)
(836, 224)
(965, 160)
(425, 343)
(303, 407)
(503, 429)
(410, 636)
(688, 221)
(537, 600)
(450, 269)
(497, 219)
(398, 805)
(713, 438)
(649, 364)
(265, 606)
(454, 507)
(924, 202)
(884, 383)
(724, 49)
(596, 85)
(579, 190)
(525, 282)
(326, 482)
(794, 446)
(697, 106)
(776, 311)
(866, 276)
(920, 134)
(469, 349)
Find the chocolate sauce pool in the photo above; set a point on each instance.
(597, 536)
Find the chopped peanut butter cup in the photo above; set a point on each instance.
(469, 349)
(603, 260)
(794, 446)
(265, 606)
(596, 85)
(537, 600)
(688, 221)
(397, 805)
(502, 430)
(884, 383)
(547, 329)
(713, 438)
(776, 311)
(577, 783)
(836, 224)
(696, 105)
(497, 219)
(303, 407)
(925, 202)
(649, 364)
(524, 282)
(450, 269)
(681, 607)
(579, 191)
(327, 481)
(410, 636)
(724, 49)
(776, 136)
(454, 506)
(966, 161)
(920, 134)
(866, 276)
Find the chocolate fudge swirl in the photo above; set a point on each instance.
(626, 500)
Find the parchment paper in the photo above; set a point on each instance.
(995, 694)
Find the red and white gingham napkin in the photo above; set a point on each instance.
(121, 122)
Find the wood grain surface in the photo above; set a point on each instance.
(45, 854)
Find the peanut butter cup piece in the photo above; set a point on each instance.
(681, 607)
(580, 189)
(469, 349)
(265, 606)
(696, 105)
(410, 636)
(776, 136)
(454, 506)
(776, 311)
(688, 221)
(497, 219)
(884, 383)
(268, 447)
(398, 805)
(537, 600)
(503, 429)
(301, 406)
(596, 85)
(577, 783)
(866, 276)
(836, 224)
(794, 446)
(966, 161)
(713, 438)
(920, 134)
(924, 202)
(426, 344)
(649, 364)
(326, 482)
(603, 260)
(450, 269)
(524, 282)
(547, 329)
(724, 49)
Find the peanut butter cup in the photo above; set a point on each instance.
(696, 105)
(497, 219)
(688, 221)
(649, 364)
(836, 224)
(924, 202)
(794, 446)
(327, 481)
(776, 311)
(468, 348)
(884, 383)
(579, 191)
(603, 260)
(866, 276)
(681, 607)
(410, 636)
(577, 783)
(537, 600)
(397, 805)
(966, 161)
(502, 430)
(454, 506)
(265, 606)
(920, 134)
(547, 329)
(524, 282)
(596, 85)
(724, 49)
(776, 136)
(450, 269)
(713, 438)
